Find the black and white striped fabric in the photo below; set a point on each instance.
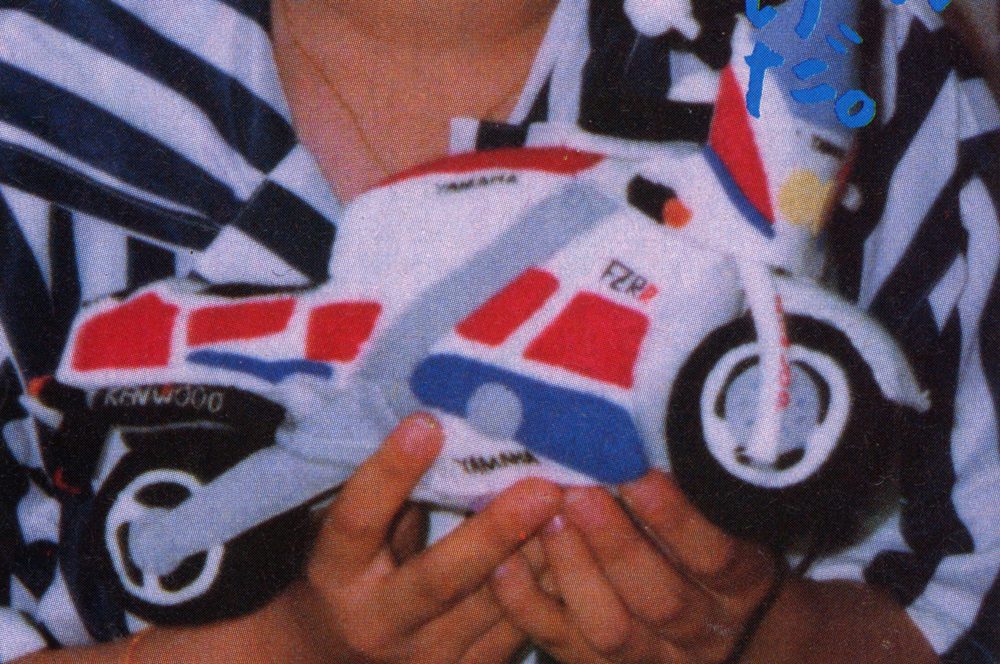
(142, 139)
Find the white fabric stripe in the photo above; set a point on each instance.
(567, 76)
(236, 257)
(895, 31)
(103, 251)
(947, 291)
(979, 108)
(56, 611)
(134, 98)
(32, 215)
(556, 38)
(32, 143)
(19, 638)
(38, 516)
(206, 28)
(916, 183)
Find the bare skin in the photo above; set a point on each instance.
(402, 70)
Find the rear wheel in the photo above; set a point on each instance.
(228, 580)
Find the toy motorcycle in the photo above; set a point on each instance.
(564, 314)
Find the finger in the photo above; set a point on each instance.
(427, 585)
(651, 589)
(450, 635)
(497, 646)
(595, 608)
(707, 554)
(360, 518)
(539, 616)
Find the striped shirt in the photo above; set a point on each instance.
(140, 140)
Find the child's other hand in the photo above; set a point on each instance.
(357, 604)
(620, 598)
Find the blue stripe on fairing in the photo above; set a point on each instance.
(736, 195)
(581, 431)
(273, 371)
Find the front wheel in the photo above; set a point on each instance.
(834, 446)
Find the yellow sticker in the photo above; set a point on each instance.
(803, 199)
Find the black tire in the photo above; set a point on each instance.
(231, 580)
(821, 494)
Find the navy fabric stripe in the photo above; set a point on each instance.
(73, 124)
(939, 239)
(13, 479)
(57, 183)
(293, 230)
(540, 108)
(930, 524)
(65, 277)
(922, 72)
(147, 263)
(244, 121)
(25, 306)
(625, 82)
(259, 11)
(498, 135)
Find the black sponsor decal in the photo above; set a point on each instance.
(483, 465)
(195, 397)
(458, 186)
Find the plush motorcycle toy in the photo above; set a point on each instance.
(564, 313)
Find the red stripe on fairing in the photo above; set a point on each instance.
(732, 139)
(561, 161)
(134, 335)
(509, 309)
(593, 337)
(337, 331)
(232, 322)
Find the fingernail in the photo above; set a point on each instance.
(555, 525)
(418, 431)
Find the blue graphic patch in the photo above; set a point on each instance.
(581, 431)
(273, 371)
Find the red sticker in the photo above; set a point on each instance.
(509, 309)
(134, 335)
(232, 322)
(337, 331)
(593, 337)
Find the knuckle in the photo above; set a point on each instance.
(660, 614)
(716, 560)
(437, 589)
(611, 637)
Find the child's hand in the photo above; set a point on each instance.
(357, 604)
(622, 599)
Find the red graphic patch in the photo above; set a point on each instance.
(593, 337)
(231, 322)
(732, 138)
(509, 309)
(560, 161)
(337, 331)
(133, 336)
